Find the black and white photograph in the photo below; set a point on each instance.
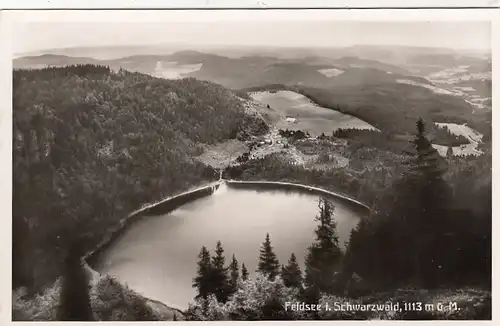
(232, 165)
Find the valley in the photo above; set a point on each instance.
(101, 133)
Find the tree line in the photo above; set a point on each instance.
(422, 233)
(422, 202)
(217, 282)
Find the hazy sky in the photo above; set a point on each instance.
(32, 36)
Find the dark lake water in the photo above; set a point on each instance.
(157, 255)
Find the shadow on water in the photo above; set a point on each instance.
(164, 207)
(157, 255)
(172, 203)
(292, 188)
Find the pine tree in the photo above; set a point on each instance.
(234, 275)
(432, 195)
(291, 273)
(268, 262)
(220, 279)
(202, 282)
(427, 160)
(418, 215)
(324, 255)
(244, 272)
(449, 152)
(74, 303)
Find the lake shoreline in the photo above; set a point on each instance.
(171, 203)
(297, 188)
(177, 208)
(92, 259)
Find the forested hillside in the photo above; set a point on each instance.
(391, 107)
(91, 145)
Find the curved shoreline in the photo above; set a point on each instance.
(299, 188)
(165, 205)
(169, 204)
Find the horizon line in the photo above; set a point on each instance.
(481, 50)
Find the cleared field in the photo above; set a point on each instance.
(466, 131)
(308, 116)
(472, 135)
(332, 72)
(174, 70)
(223, 154)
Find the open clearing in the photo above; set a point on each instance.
(472, 135)
(308, 116)
(332, 72)
(173, 70)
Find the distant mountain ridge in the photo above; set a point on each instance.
(51, 59)
(391, 54)
(243, 72)
(444, 71)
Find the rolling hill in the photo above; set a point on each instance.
(245, 71)
(45, 60)
(446, 91)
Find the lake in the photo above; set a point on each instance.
(157, 255)
(308, 116)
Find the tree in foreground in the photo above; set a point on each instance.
(234, 275)
(323, 256)
(426, 224)
(202, 281)
(449, 152)
(291, 273)
(408, 239)
(74, 304)
(219, 277)
(268, 262)
(258, 299)
(244, 272)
